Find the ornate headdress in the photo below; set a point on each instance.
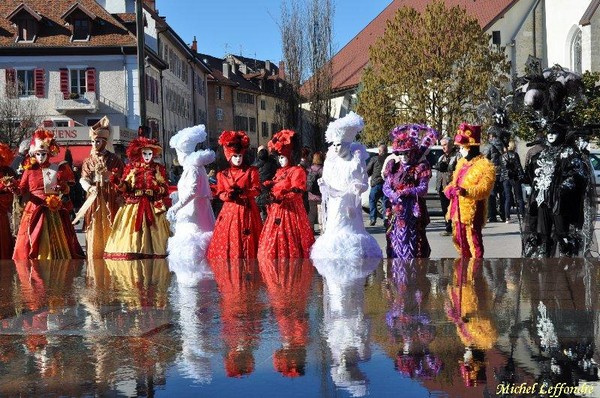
(282, 143)
(134, 149)
(409, 137)
(468, 135)
(234, 142)
(43, 140)
(187, 139)
(344, 129)
(100, 129)
(6, 155)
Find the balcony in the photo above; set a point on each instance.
(85, 102)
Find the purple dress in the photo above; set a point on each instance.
(405, 186)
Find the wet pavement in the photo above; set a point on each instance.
(444, 328)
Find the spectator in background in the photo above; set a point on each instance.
(312, 187)
(512, 176)
(445, 167)
(374, 170)
(493, 153)
(267, 167)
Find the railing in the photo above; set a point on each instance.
(84, 102)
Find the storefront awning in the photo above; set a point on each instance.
(79, 153)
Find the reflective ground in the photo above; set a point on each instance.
(446, 328)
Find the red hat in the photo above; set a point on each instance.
(234, 142)
(6, 155)
(282, 143)
(468, 135)
(290, 362)
(134, 149)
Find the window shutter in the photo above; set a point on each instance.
(11, 77)
(90, 75)
(64, 82)
(40, 84)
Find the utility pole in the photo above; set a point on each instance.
(141, 59)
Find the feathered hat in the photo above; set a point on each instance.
(134, 149)
(6, 155)
(468, 135)
(282, 143)
(410, 137)
(234, 142)
(43, 140)
(100, 129)
(187, 139)
(344, 129)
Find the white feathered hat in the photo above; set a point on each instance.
(345, 128)
(187, 139)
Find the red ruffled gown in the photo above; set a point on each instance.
(45, 233)
(287, 232)
(238, 225)
(7, 242)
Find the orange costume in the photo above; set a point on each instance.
(7, 187)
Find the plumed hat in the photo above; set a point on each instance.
(43, 140)
(344, 129)
(100, 129)
(468, 135)
(187, 139)
(134, 149)
(6, 155)
(282, 143)
(234, 142)
(409, 137)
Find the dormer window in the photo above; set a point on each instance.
(80, 19)
(26, 20)
(27, 29)
(81, 29)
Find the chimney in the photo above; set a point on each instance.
(282, 70)
(194, 45)
(268, 65)
(151, 4)
(226, 69)
(234, 67)
(243, 68)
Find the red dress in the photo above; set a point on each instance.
(46, 232)
(7, 242)
(238, 226)
(287, 232)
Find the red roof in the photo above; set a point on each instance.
(349, 62)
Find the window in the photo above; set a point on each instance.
(251, 124)
(496, 38)
(220, 95)
(77, 81)
(25, 82)
(263, 104)
(241, 123)
(27, 28)
(274, 128)
(91, 121)
(151, 89)
(576, 51)
(81, 29)
(245, 98)
(264, 127)
(219, 114)
(63, 123)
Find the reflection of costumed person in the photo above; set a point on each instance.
(8, 185)
(140, 229)
(472, 182)
(344, 179)
(286, 233)
(46, 231)
(95, 173)
(238, 226)
(405, 185)
(288, 285)
(191, 216)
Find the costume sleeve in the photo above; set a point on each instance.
(24, 183)
(483, 185)
(294, 185)
(450, 189)
(223, 189)
(388, 190)
(254, 183)
(87, 175)
(420, 189)
(192, 191)
(124, 182)
(161, 181)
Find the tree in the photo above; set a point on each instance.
(18, 118)
(433, 67)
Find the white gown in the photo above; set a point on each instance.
(191, 216)
(345, 235)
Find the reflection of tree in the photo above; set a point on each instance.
(288, 284)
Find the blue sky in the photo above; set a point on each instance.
(250, 27)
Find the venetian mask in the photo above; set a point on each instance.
(99, 144)
(147, 155)
(237, 159)
(41, 156)
(464, 151)
(403, 157)
(341, 148)
(552, 137)
(283, 161)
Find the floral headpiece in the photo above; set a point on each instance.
(344, 129)
(468, 135)
(43, 140)
(6, 155)
(411, 137)
(282, 143)
(134, 149)
(234, 142)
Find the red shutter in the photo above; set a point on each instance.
(11, 77)
(48, 123)
(64, 82)
(90, 75)
(40, 84)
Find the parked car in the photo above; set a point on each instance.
(432, 195)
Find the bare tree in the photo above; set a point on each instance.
(18, 117)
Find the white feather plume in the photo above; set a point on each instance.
(187, 139)
(345, 128)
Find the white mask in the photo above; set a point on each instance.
(99, 144)
(403, 157)
(147, 155)
(341, 148)
(464, 151)
(237, 159)
(41, 156)
(552, 138)
(283, 161)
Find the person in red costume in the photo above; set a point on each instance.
(238, 225)
(287, 232)
(46, 232)
(8, 185)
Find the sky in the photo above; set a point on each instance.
(250, 28)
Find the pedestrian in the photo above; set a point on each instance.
(238, 227)
(267, 166)
(493, 152)
(406, 186)
(374, 170)
(512, 175)
(344, 179)
(286, 233)
(314, 192)
(472, 183)
(95, 173)
(445, 167)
